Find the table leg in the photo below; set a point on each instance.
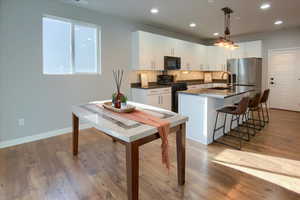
(132, 167)
(75, 134)
(180, 143)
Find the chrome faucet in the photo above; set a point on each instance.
(231, 78)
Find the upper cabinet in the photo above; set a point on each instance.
(145, 55)
(248, 50)
(253, 49)
(149, 50)
(216, 58)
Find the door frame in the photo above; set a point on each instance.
(270, 51)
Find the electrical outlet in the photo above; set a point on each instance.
(21, 122)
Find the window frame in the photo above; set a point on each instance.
(72, 37)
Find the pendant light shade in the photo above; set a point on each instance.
(225, 41)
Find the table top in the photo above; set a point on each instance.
(220, 94)
(120, 127)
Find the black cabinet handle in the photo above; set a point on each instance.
(272, 83)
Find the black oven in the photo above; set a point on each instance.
(172, 63)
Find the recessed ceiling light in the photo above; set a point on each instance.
(192, 25)
(216, 34)
(265, 6)
(278, 22)
(154, 10)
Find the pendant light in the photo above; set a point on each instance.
(225, 41)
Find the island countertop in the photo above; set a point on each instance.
(219, 93)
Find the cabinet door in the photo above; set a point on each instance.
(158, 52)
(166, 101)
(147, 57)
(210, 58)
(253, 49)
(168, 46)
(146, 51)
(187, 52)
(153, 100)
(200, 57)
(239, 52)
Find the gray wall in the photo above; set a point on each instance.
(286, 38)
(45, 101)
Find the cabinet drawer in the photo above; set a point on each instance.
(159, 91)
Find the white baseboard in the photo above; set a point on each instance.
(9, 143)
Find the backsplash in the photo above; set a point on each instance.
(180, 75)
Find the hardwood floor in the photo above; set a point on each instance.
(268, 167)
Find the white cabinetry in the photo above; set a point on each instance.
(148, 51)
(193, 56)
(248, 50)
(160, 97)
(201, 57)
(216, 58)
(145, 54)
(253, 49)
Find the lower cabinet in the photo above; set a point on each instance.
(160, 97)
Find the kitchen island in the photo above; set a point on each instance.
(200, 106)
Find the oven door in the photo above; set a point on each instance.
(172, 63)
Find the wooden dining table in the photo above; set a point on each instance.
(133, 135)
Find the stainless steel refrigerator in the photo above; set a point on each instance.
(246, 71)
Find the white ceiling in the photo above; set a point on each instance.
(175, 15)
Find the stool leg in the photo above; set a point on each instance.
(239, 131)
(267, 110)
(261, 120)
(247, 126)
(231, 123)
(253, 122)
(224, 128)
(216, 122)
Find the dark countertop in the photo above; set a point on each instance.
(221, 94)
(201, 81)
(154, 85)
(150, 86)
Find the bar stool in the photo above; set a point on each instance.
(236, 112)
(254, 106)
(263, 102)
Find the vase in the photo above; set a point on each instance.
(117, 100)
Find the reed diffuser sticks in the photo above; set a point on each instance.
(118, 76)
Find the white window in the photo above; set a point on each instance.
(70, 47)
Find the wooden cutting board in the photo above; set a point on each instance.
(144, 80)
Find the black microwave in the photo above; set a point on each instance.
(172, 63)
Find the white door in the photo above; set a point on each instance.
(284, 79)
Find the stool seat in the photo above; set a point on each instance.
(228, 110)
